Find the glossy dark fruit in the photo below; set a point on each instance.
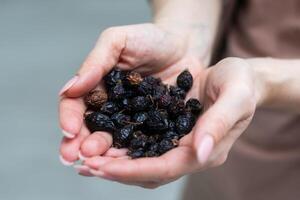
(143, 114)
(176, 107)
(177, 92)
(134, 78)
(166, 145)
(194, 106)
(185, 123)
(138, 153)
(114, 77)
(109, 108)
(120, 119)
(117, 92)
(157, 120)
(95, 99)
(185, 80)
(97, 121)
(140, 103)
(122, 136)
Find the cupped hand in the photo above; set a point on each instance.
(230, 91)
(147, 48)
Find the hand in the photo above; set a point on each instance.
(147, 48)
(230, 91)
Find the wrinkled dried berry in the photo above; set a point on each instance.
(157, 120)
(109, 108)
(143, 115)
(185, 80)
(95, 99)
(122, 136)
(194, 106)
(97, 121)
(185, 123)
(120, 119)
(177, 92)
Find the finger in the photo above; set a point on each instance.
(97, 161)
(114, 152)
(217, 121)
(71, 112)
(168, 167)
(99, 62)
(96, 144)
(69, 148)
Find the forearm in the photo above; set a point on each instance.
(195, 20)
(279, 81)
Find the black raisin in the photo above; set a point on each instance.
(140, 103)
(114, 77)
(120, 119)
(157, 120)
(97, 121)
(109, 108)
(194, 106)
(185, 80)
(177, 92)
(138, 153)
(122, 136)
(185, 123)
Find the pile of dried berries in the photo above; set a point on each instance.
(142, 114)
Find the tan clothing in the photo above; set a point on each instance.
(264, 164)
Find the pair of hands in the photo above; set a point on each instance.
(229, 91)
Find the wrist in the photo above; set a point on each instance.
(195, 37)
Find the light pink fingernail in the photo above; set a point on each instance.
(67, 134)
(68, 85)
(65, 162)
(205, 148)
(83, 170)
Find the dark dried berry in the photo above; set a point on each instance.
(140, 118)
(97, 121)
(194, 106)
(144, 88)
(185, 123)
(114, 77)
(157, 120)
(133, 78)
(171, 135)
(122, 136)
(138, 142)
(140, 103)
(138, 153)
(154, 147)
(172, 125)
(158, 91)
(124, 104)
(117, 92)
(151, 154)
(176, 107)
(177, 92)
(152, 80)
(165, 145)
(120, 119)
(185, 80)
(109, 108)
(164, 101)
(95, 99)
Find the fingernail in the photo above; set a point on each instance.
(68, 85)
(83, 170)
(65, 162)
(205, 148)
(101, 174)
(81, 157)
(67, 134)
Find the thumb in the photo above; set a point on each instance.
(99, 62)
(217, 121)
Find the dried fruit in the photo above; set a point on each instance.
(185, 80)
(142, 114)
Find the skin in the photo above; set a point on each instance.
(231, 91)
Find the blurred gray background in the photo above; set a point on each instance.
(42, 44)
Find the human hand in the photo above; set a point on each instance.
(147, 48)
(230, 91)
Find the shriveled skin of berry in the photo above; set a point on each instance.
(133, 78)
(140, 103)
(185, 123)
(158, 91)
(194, 106)
(151, 154)
(125, 104)
(138, 153)
(171, 135)
(138, 142)
(120, 119)
(177, 92)
(157, 121)
(166, 145)
(97, 121)
(185, 80)
(95, 99)
(176, 107)
(121, 137)
(144, 88)
(164, 101)
(140, 117)
(114, 77)
(109, 108)
(117, 92)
